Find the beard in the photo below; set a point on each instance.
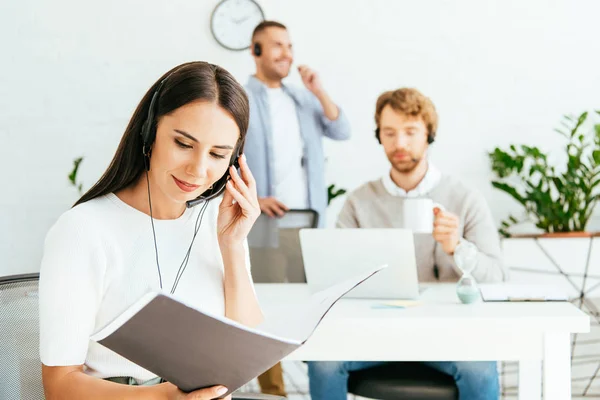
(406, 165)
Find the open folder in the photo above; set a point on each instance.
(194, 349)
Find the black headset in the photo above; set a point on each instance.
(148, 134)
(256, 49)
(430, 137)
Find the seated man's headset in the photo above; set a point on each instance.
(430, 136)
(148, 134)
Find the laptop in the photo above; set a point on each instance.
(332, 255)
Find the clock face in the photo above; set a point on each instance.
(233, 21)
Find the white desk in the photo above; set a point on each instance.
(442, 329)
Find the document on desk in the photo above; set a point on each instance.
(521, 292)
(195, 349)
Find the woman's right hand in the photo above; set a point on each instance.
(173, 393)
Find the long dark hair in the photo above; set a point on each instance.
(182, 85)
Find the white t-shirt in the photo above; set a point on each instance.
(99, 259)
(290, 180)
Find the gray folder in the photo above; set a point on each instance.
(193, 349)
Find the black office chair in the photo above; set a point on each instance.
(402, 381)
(20, 367)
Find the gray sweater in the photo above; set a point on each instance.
(372, 206)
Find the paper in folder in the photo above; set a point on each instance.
(521, 292)
(193, 349)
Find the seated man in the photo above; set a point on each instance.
(406, 126)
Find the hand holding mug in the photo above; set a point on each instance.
(445, 229)
(423, 216)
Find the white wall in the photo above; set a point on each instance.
(72, 72)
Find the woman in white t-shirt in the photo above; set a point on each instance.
(154, 221)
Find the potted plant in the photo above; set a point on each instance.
(559, 201)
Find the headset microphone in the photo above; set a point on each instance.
(201, 199)
(218, 187)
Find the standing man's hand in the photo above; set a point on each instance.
(272, 207)
(445, 230)
(313, 83)
(311, 80)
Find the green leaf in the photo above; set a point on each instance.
(596, 156)
(558, 183)
(580, 121)
(332, 193)
(510, 190)
(73, 175)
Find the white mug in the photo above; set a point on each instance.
(418, 214)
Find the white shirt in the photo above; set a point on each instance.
(430, 180)
(290, 180)
(99, 259)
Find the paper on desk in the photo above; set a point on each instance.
(521, 292)
(298, 322)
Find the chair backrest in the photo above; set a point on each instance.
(279, 258)
(20, 366)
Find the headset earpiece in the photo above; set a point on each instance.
(257, 50)
(377, 135)
(148, 133)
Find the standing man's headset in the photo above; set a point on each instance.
(148, 134)
(257, 49)
(430, 137)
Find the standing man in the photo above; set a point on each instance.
(284, 144)
(287, 125)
